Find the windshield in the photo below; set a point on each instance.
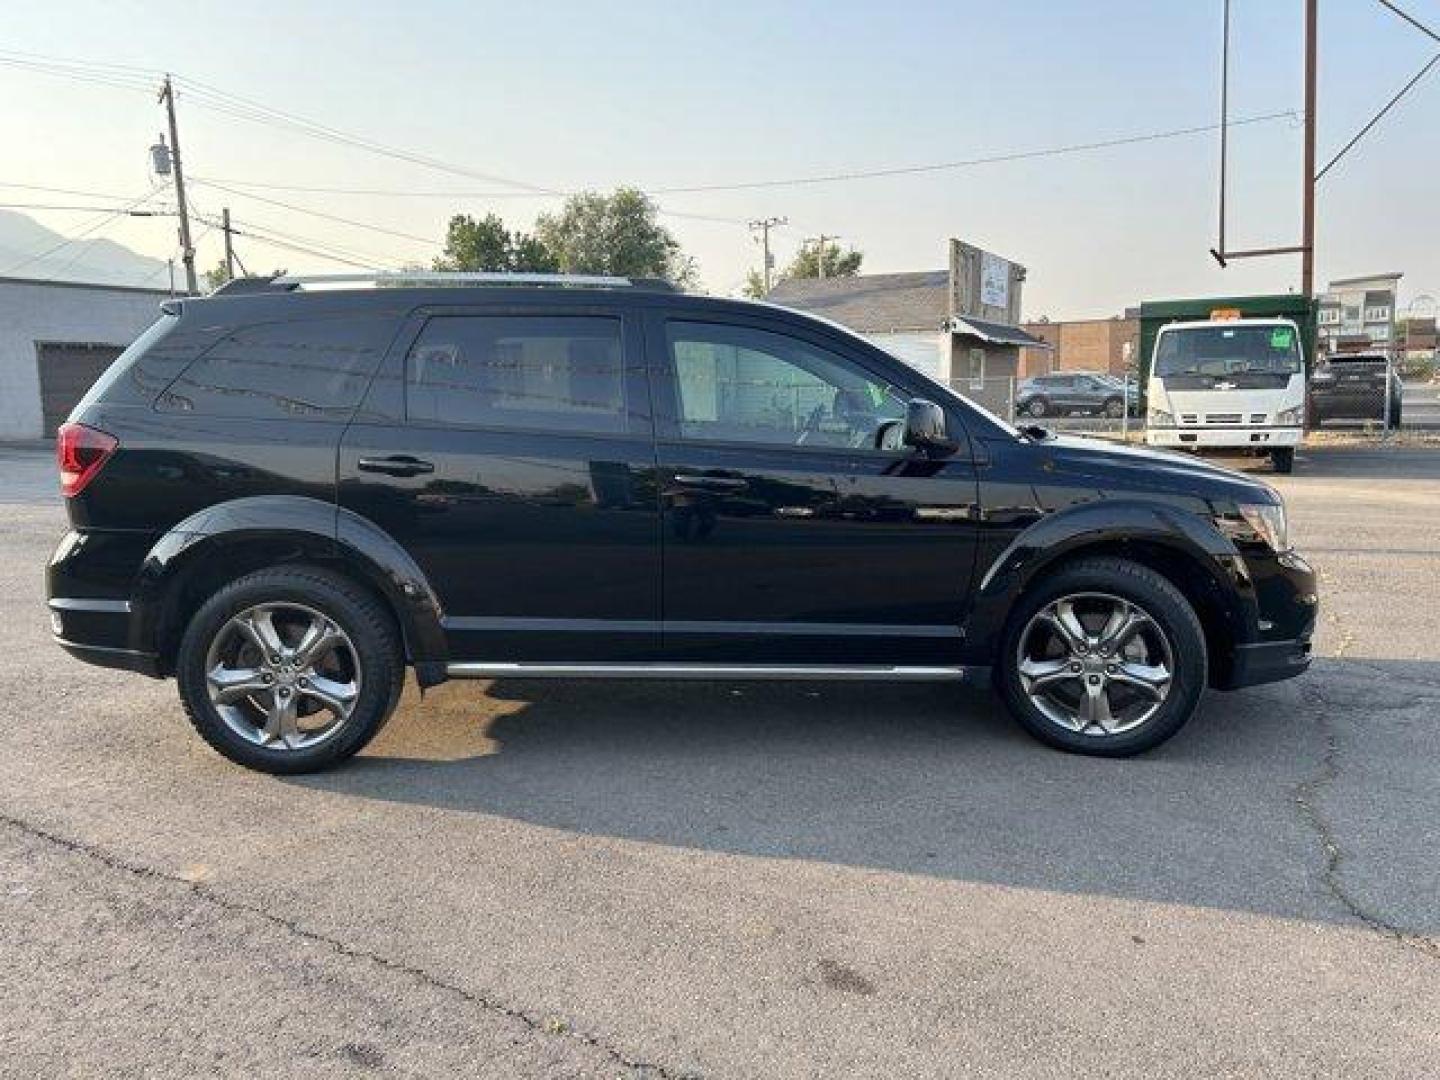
(1219, 351)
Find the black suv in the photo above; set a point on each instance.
(1355, 386)
(285, 495)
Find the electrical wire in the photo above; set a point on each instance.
(85, 231)
(306, 245)
(966, 163)
(206, 182)
(84, 248)
(62, 191)
(86, 209)
(211, 97)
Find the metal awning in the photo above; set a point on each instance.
(994, 333)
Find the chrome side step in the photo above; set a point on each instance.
(818, 672)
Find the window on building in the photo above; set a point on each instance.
(1377, 314)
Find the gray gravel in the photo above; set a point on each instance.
(730, 880)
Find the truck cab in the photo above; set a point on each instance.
(1228, 384)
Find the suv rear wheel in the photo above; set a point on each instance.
(290, 670)
(1106, 657)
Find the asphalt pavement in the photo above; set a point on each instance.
(730, 880)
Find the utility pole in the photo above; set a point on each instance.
(763, 227)
(1307, 236)
(187, 250)
(820, 242)
(229, 250)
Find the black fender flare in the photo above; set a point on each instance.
(308, 528)
(1112, 524)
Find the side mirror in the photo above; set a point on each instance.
(925, 426)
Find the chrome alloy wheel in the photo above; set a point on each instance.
(1095, 664)
(283, 676)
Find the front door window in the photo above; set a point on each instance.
(739, 384)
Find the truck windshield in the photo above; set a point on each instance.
(1219, 351)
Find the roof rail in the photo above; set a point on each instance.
(422, 278)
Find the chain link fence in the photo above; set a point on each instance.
(1078, 402)
(1344, 398)
(1372, 395)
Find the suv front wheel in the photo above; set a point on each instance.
(290, 670)
(1105, 657)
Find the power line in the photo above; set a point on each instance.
(989, 159)
(212, 97)
(207, 182)
(88, 209)
(85, 231)
(307, 245)
(1410, 19)
(1395, 100)
(62, 191)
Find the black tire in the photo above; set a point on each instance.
(1144, 588)
(371, 632)
(1114, 408)
(1037, 407)
(1282, 459)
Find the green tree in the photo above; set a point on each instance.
(220, 275)
(811, 257)
(618, 234)
(754, 286)
(487, 244)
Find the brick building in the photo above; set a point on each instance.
(1082, 345)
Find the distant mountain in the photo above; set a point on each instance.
(90, 259)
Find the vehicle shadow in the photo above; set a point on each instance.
(918, 779)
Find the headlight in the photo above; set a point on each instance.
(1290, 417)
(1263, 520)
(1159, 418)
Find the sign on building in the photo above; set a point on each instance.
(994, 280)
(984, 285)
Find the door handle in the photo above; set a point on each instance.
(714, 483)
(395, 465)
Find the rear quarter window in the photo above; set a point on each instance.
(306, 369)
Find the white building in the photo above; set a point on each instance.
(55, 340)
(1358, 314)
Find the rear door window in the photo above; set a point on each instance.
(312, 369)
(551, 373)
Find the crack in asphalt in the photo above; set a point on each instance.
(541, 1025)
(1307, 798)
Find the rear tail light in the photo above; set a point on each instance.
(81, 452)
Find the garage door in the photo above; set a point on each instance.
(66, 372)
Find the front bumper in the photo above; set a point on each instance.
(1285, 594)
(1268, 661)
(1237, 437)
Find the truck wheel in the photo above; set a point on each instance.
(1106, 657)
(1114, 408)
(1282, 459)
(290, 670)
(1037, 407)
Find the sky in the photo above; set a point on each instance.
(563, 96)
